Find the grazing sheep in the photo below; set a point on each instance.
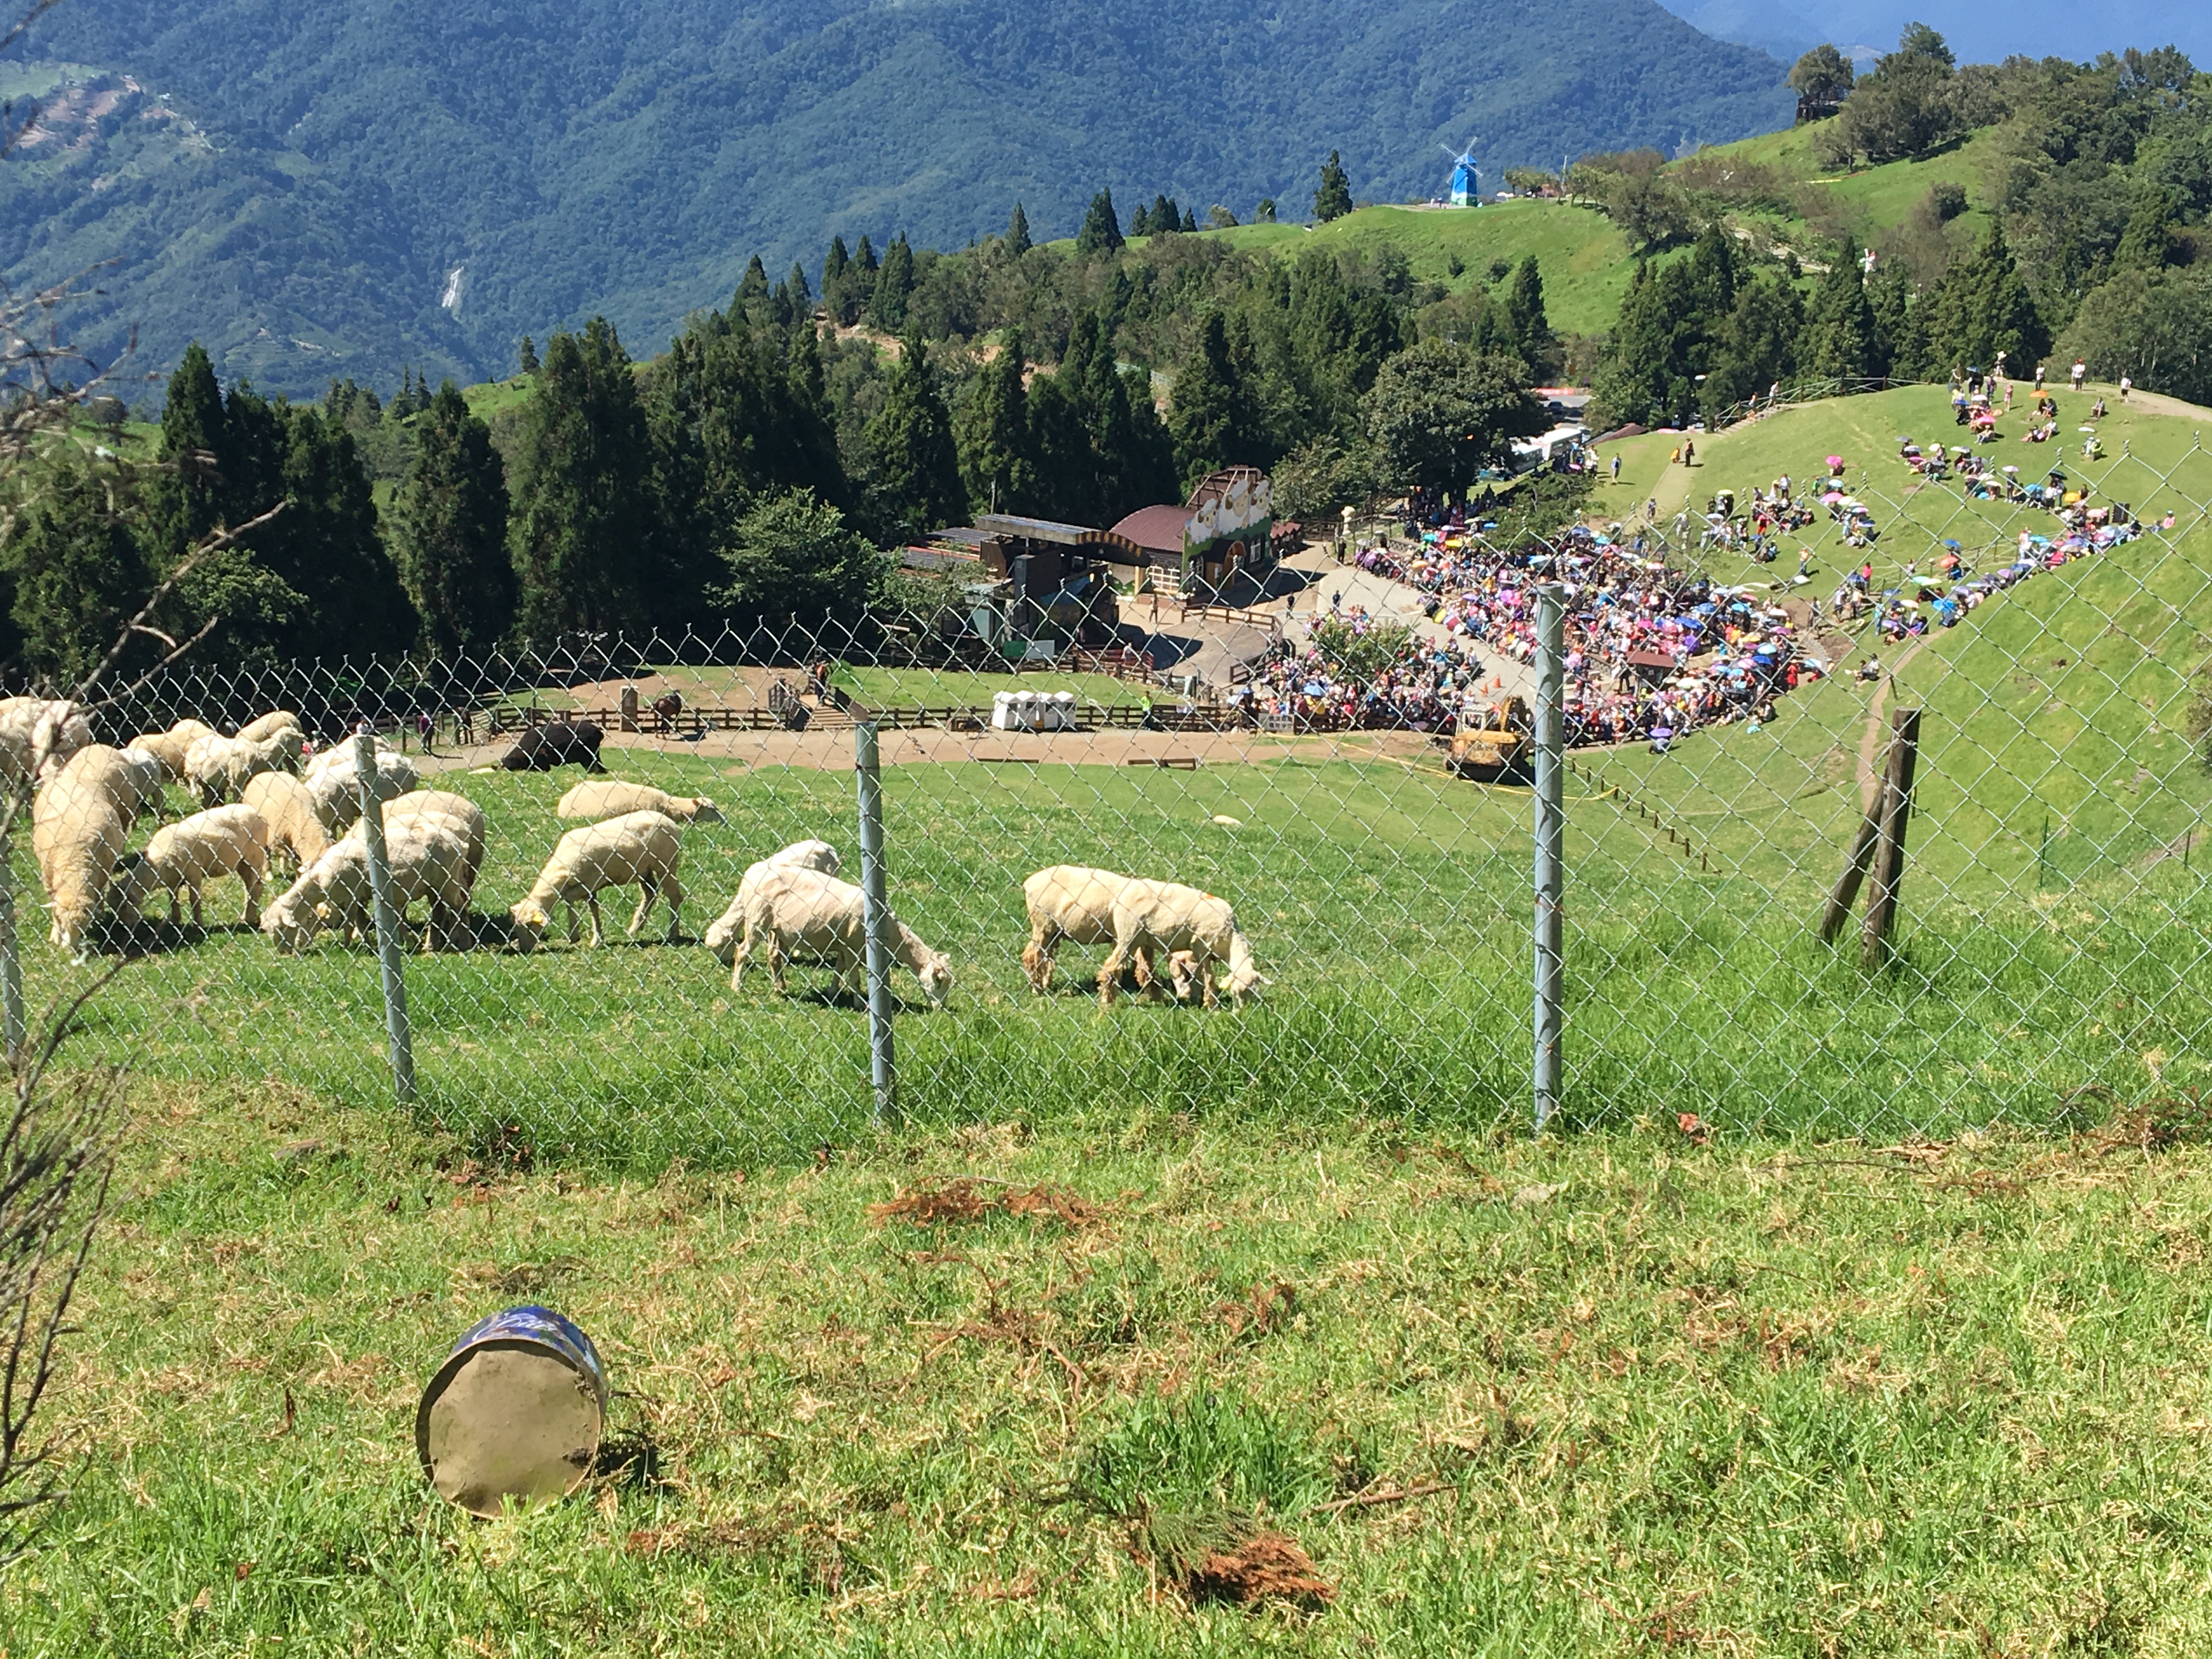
(1074, 904)
(37, 736)
(541, 748)
(464, 815)
(645, 847)
(341, 754)
(793, 912)
(722, 937)
(142, 775)
(593, 802)
(171, 746)
(220, 842)
(428, 858)
(335, 786)
(289, 811)
(269, 725)
(79, 830)
(1172, 920)
(220, 768)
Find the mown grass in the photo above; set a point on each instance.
(1647, 1395)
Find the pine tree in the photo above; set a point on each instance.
(1332, 200)
(802, 297)
(917, 464)
(1524, 313)
(1101, 230)
(992, 433)
(1648, 371)
(1756, 344)
(77, 575)
(187, 497)
(1165, 218)
(1190, 221)
(1140, 221)
(1212, 418)
(1017, 233)
(1984, 307)
(1889, 297)
(450, 518)
(327, 548)
(894, 285)
(528, 364)
(2149, 242)
(833, 265)
(585, 525)
(1840, 339)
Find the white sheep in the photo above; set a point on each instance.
(1074, 904)
(223, 841)
(335, 787)
(170, 747)
(37, 736)
(722, 937)
(464, 814)
(428, 858)
(143, 775)
(79, 830)
(268, 725)
(289, 812)
(220, 768)
(592, 802)
(645, 847)
(1173, 920)
(341, 754)
(794, 913)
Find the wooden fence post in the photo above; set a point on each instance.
(1888, 869)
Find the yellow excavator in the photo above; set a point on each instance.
(1496, 750)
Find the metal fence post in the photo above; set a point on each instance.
(1550, 838)
(11, 959)
(388, 926)
(878, 912)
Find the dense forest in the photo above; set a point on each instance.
(321, 189)
(752, 469)
(2085, 239)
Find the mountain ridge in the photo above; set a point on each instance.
(586, 160)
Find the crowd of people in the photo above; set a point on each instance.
(1653, 651)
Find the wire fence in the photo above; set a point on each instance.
(1301, 841)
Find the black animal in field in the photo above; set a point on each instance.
(541, 748)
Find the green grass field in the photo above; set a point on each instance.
(1646, 1396)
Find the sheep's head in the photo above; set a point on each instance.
(936, 976)
(291, 924)
(1242, 982)
(705, 812)
(529, 923)
(722, 938)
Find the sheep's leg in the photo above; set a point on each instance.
(647, 886)
(1037, 956)
(176, 910)
(672, 891)
(1148, 982)
(737, 958)
(1109, 974)
(776, 961)
(598, 929)
(1207, 996)
(250, 878)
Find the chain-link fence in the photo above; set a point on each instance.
(1341, 748)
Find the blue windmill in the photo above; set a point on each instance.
(1466, 177)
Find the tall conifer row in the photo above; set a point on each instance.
(586, 533)
(450, 524)
(996, 463)
(917, 464)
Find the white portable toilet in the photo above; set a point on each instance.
(1002, 711)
